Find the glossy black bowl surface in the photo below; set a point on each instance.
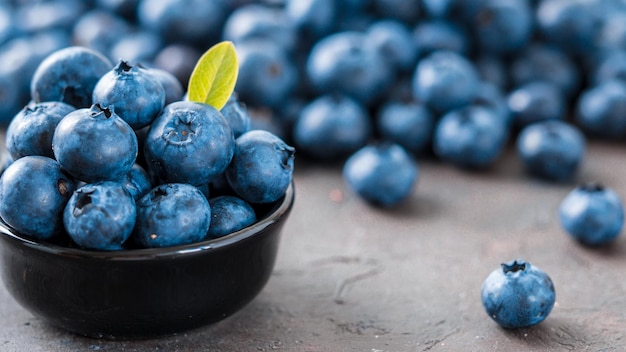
(142, 293)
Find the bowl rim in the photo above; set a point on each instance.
(276, 213)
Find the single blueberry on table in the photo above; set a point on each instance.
(188, 143)
(262, 167)
(229, 214)
(33, 193)
(470, 137)
(137, 96)
(95, 144)
(518, 295)
(100, 216)
(592, 214)
(30, 131)
(332, 126)
(383, 174)
(69, 75)
(171, 214)
(551, 150)
(601, 110)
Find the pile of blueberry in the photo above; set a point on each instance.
(113, 157)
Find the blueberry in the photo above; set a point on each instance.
(493, 69)
(229, 214)
(445, 80)
(69, 75)
(570, 24)
(136, 95)
(99, 29)
(332, 126)
(518, 295)
(174, 90)
(260, 22)
(592, 214)
(601, 110)
(408, 124)
(432, 35)
(100, 216)
(552, 149)
(188, 143)
(312, 18)
(502, 26)
(383, 174)
(137, 47)
(30, 131)
(262, 167)
(171, 214)
(471, 137)
(237, 116)
(137, 182)
(535, 101)
(492, 97)
(33, 194)
(394, 41)
(95, 144)
(609, 67)
(344, 63)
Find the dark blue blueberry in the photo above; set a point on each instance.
(262, 167)
(471, 137)
(551, 149)
(312, 18)
(69, 75)
(570, 24)
(432, 35)
(124, 8)
(136, 95)
(137, 47)
(445, 80)
(601, 110)
(493, 69)
(332, 126)
(394, 42)
(267, 76)
(382, 174)
(502, 26)
(95, 144)
(406, 11)
(30, 131)
(33, 194)
(100, 216)
(137, 182)
(592, 214)
(608, 67)
(344, 63)
(188, 143)
(237, 115)
(174, 90)
(534, 102)
(408, 124)
(98, 29)
(492, 97)
(229, 214)
(171, 214)
(260, 22)
(518, 295)
(541, 62)
(612, 33)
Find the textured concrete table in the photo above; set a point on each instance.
(350, 277)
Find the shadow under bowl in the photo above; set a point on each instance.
(143, 293)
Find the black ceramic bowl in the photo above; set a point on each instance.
(143, 293)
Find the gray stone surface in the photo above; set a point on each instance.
(350, 277)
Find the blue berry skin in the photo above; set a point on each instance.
(400, 10)
(601, 110)
(267, 76)
(492, 69)
(408, 124)
(552, 150)
(445, 81)
(174, 90)
(262, 167)
(592, 214)
(331, 127)
(432, 35)
(69, 75)
(534, 102)
(609, 66)
(312, 18)
(30, 131)
(570, 24)
(137, 182)
(502, 26)
(171, 214)
(382, 174)
(99, 29)
(394, 42)
(100, 216)
(471, 137)
(135, 94)
(229, 214)
(491, 96)
(138, 47)
(237, 115)
(188, 143)
(95, 144)
(344, 63)
(518, 295)
(33, 194)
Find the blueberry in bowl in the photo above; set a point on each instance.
(143, 293)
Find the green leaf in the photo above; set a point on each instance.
(214, 76)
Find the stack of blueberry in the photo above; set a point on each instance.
(115, 158)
